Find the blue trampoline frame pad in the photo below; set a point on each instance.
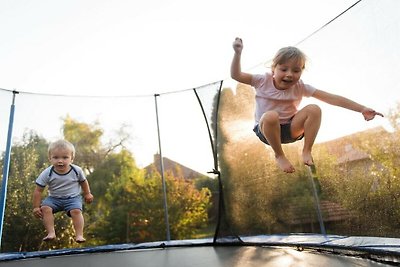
(260, 251)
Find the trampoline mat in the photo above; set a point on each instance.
(210, 256)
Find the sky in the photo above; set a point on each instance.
(104, 47)
(136, 48)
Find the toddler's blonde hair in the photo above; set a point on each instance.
(61, 144)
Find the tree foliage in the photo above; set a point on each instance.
(260, 199)
(26, 160)
(133, 209)
(128, 205)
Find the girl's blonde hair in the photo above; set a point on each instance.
(61, 144)
(289, 53)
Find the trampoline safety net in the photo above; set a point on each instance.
(186, 165)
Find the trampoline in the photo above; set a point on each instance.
(262, 251)
(193, 186)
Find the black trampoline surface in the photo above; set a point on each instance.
(199, 256)
(275, 250)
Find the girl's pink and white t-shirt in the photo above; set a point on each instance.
(285, 102)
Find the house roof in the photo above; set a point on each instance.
(353, 155)
(172, 166)
(343, 147)
(331, 212)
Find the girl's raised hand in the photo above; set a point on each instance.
(238, 45)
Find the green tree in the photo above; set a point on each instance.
(86, 138)
(368, 188)
(382, 206)
(28, 159)
(187, 206)
(22, 231)
(87, 141)
(112, 180)
(133, 211)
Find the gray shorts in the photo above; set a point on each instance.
(286, 135)
(63, 204)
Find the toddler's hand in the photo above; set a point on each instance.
(88, 198)
(37, 212)
(238, 45)
(370, 114)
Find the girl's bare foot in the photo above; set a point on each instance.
(307, 158)
(284, 164)
(49, 237)
(80, 239)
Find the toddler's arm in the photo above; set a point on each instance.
(86, 192)
(37, 196)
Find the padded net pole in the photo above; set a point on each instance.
(311, 173)
(162, 173)
(6, 166)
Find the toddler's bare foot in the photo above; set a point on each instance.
(307, 158)
(49, 237)
(284, 164)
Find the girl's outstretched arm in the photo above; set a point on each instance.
(236, 70)
(344, 102)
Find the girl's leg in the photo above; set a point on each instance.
(78, 222)
(271, 129)
(307, 121)
(48, 222)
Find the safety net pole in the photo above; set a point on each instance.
(311, 173)
(162, 173)
(6, 166)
